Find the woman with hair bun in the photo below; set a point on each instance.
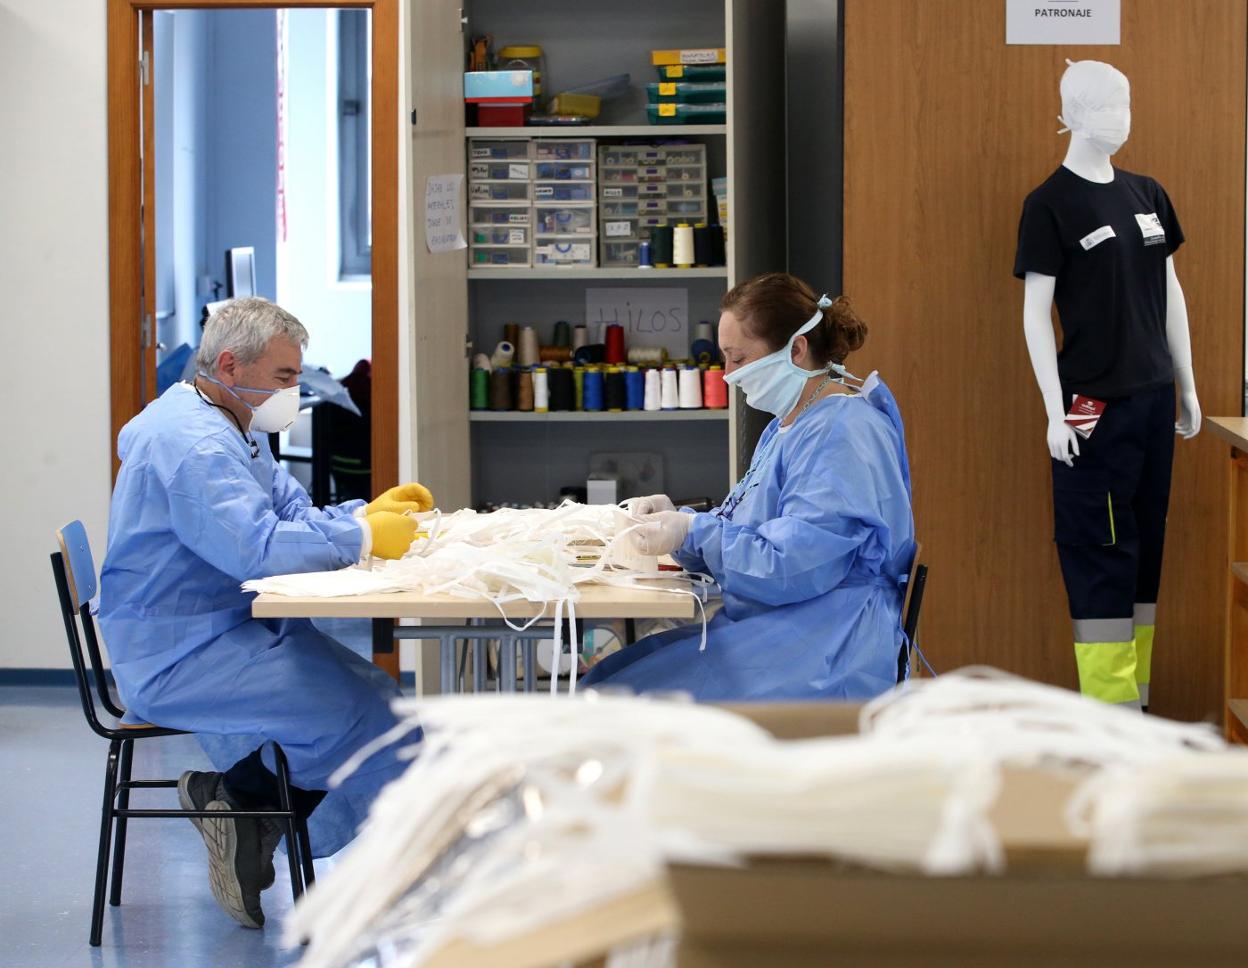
(811, 548)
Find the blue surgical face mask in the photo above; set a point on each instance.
(275, 414)
(774, 382)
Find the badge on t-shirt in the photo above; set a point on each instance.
(1084, 414)
(1097, 237)
(1150, 228)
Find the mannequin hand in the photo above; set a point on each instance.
(662, 533)
(641, 506)
(1188, 425)
(404, 497)
(1063, 442)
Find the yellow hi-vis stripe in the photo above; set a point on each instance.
(1113, 532)
(1107, 671)
(1144, 653)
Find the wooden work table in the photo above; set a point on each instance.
(1234, 430)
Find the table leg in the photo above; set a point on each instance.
(528, 647)
(385, 651)
(447, 661)
(480, 664)
(507, 663)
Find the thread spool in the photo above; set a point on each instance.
(644, 259)
(578, 384)
(615, 390)
(594, 390)
(479, 389)
(527, 351)
(524, 391)
(615, 344)
(704, 330)
(580, 336)
(690, 388)
(511, 333)
(670, 390)
(504, 354)
(703, 250)
(482, 362)
(563, 334)
(718, 246)
(661, 242)
(554, 354)
(682, 248)
(500, 390)
(714, 389)
(590, 354)
(541, 391)
(703, 352)
(653, 396)
(562, 389)
(634, 388)
(647, 355)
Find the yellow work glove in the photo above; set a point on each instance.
(404, 497)
(392, 533)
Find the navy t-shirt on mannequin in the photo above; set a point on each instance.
(1107, 245)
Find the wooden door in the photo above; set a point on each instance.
(946, 130)
(438, 364)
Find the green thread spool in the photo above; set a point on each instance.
(479, 390)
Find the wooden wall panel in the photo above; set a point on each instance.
(946, 130)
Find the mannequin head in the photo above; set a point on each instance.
(1096, 104)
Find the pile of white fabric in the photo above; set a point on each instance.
(518, 812)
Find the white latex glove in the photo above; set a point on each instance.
(641, 506)
(662, 533)
(1063, 442)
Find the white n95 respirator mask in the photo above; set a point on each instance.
(773, 383)
(274, 415)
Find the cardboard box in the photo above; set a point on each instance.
(811, 913)
(498, 87)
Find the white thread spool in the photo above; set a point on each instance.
(482, 362)
(647, 355)
(705, 331)
(653, 397)
(580, 336)
(541, 391)
(670, 397)
(504, 353)
(528, 355)
(691, 388)
(682, 247)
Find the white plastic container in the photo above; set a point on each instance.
(501, 191)
(512, 149)
(573, 219)
(499, 256)
(569, 253)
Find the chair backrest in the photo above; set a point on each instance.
(910, 608)
(73, 569)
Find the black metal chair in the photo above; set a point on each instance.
(910, 609)
(74, 571)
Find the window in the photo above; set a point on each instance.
(355, 138)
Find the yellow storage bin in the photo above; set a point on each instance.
(586, 105)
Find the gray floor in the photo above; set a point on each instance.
(51, 779)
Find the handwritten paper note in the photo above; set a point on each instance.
(442, 217)
(650, 317)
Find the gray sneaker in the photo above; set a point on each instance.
(235, 865)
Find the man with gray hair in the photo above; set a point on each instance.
(200, 506)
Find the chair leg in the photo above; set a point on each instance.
(106, 829)
(305, 853)
(292, 841)
(119, 842)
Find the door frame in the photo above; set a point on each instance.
(125, 240)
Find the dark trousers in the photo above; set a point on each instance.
(253, 786)
(1110, 527)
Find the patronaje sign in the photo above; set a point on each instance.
(1063, 21)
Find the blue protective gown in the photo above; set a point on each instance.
(810, 551)
(194, 515)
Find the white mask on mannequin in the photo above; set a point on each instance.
(1096, 104)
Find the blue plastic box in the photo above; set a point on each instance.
(500, 87)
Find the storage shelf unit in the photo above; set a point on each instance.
(603, 131)
(484, 456)
(658, 277)
(627, 416)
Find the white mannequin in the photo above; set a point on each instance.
(1097, 131)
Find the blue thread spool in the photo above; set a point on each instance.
(594, 389)
(634, 388)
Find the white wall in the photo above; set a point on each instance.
(337, 314)
(54, 275)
